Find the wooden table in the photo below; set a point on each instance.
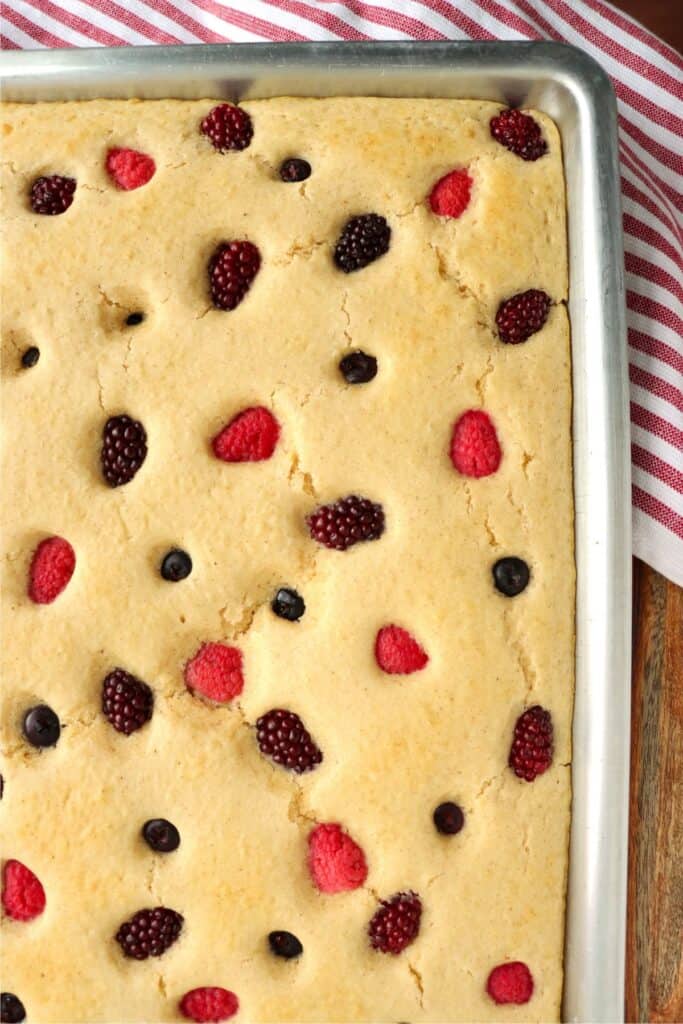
(654, 960)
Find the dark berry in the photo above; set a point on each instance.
(30, 357)
(285, 944)
(295, 169)
(396, 923)
(358, 368)
(232, 268)
(283, 737)
(133, 319)
(228, 127)
(52, 195)
(346, 522)
(127, 702)
(510, 575)
(41, 726)
(149, 932)
(531, 752)
(288, 604)
(363, 240)
(522, 315)
(124, 449)
(161, 835)
(176, 565)
(11, 1009)
(2, 786)
(448, 818)
(519, 133)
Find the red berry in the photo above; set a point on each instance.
(510, 983)
(475, 450)
(228, 127)
(129, 169)
(397, 922)
(519, 133)
(450, 196)
(335, 861)
(52, 195)
(209, 1004)
(52, 566)
(399, 653)
(250, 436)
(283, 737)
(216, 672)
(149, 932)
(127, 702)
(522, 315)
(232, 268)
(346, 522)
(531, 752)
(23, 896)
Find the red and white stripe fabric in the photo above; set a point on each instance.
(648, 77)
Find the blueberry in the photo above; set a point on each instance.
(161, 835)
(510, 576)
(285, 944)
(295, 169)
(176, 565)
(11, 1009)
(133, 319)
(30, 357)
(288, 604)
(358, 368)
(41, 726)
(448, 818)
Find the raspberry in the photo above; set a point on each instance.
(283, 737)
(129, 169)
(531, 752)
(519, 133)
(510, 983)
(345, 522)
(475, 450)
(215, 672)
(228, 127)
(232, 268)
(127, 702)
(450, 196)
(522, 315)
(124, 449)
(397, 922)
(149, 932)
(209, 1004)
(399, 653)
(362, 241)
(52, 566)
(250, 436)
(52, 194)
(335, 861)
(23, 896)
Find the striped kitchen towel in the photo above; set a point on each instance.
(648, 78)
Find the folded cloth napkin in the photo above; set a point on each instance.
(648, 78)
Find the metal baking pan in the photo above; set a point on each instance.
(576, 93)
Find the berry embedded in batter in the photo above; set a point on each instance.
(161, 835)
(11, 1009)
(209, 1004)
(228, 127)
(283, 737)
(522, 315)
(149, 932)
(295, 169)
(519, 133)
(450, 197)
(396, 924)
(336, 862)
(358, 368)
(23, 896)
(288, 604)
(510, 983)
(127, 702)
(448, 818)
(232, 269)
(52, 567)
(285, 945)
(475, 450)
(510, 575)
(134, 319)
(250, 436)
(52, 194)
(176, 565)
(397, 652)
(30, 357)
(41, 726)
(531, 752)
(362, 241)
(124, 449)
(215, 671)
(345, 522)
(129, 169)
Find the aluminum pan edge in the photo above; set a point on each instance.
(573, 89)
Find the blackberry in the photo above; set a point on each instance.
(52, 194)
(232, 268)
(362, 241)
(531, 752)
(522, 315)
(283, 737)
(149, 932)
(346, 522)
(127, 702)
(519, 133)
(228, 127)
(124, 449)
(396, 924)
